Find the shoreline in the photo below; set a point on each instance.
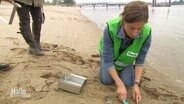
(39, 76)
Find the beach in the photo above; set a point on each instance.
(70, 43)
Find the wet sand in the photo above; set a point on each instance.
(70, 42)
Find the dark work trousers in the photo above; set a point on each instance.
(32, 38)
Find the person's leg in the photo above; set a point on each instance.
(36, 14)
(24, 23)
(128, 75)
(105, 77)
(25, 29)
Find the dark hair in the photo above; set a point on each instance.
(135, 11)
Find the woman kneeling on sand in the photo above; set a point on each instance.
(123, 48)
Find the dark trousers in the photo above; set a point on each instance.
(24, 13)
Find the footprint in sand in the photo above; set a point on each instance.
(182, 99)
(47, 75)
(163, 94)
(48, 47)
(95, 55)
(19, 50)
(14, 40)
(144, 78)
(81, 20)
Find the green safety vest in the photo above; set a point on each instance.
(129, 55)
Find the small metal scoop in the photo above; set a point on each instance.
(124, 101)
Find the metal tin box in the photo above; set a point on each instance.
(71, 82)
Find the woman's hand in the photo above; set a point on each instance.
(122, 92)
(136, 94)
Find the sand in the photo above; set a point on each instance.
(70, 42)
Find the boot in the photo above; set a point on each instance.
(35, 51)
(33, 48)
(36, 36)
(36, 29)
(4, 67)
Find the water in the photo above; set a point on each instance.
(167, 49)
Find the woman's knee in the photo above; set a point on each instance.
(106, 81)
